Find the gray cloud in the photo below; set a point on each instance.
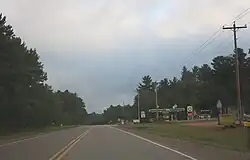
(101, 49)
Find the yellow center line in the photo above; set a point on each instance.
(60, 154)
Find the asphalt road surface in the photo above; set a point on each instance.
(40, 147)
(112, 144)
(89, 143)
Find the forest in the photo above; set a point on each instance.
(200, 86)
(26, 100)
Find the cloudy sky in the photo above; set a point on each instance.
(102, 48)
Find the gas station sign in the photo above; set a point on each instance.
(190, 112)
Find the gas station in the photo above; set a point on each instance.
(170, 113)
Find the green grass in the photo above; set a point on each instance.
(185, 121)
(233, 138)
(7, 135)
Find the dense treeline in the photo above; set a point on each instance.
(200, 86)
(95, 119)
(25, 99)
(113, 113)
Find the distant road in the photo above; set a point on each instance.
(88, 143)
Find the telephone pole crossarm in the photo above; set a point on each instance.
(245, 26)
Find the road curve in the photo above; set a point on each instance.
(41, 147)
(104, 142)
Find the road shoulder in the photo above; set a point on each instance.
(200, 151)
(23, 136)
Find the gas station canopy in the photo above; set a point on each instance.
(168, 110)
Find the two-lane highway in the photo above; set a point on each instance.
(89, 143)
(109, 143)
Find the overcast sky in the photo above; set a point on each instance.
(102, 48)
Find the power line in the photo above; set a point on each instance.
(223, 42)
(205, 44)
(213, 37)
(238, 17)
(220, 44)
(217, 34)
(242, 14)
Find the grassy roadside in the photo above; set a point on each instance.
(28, 132)
(230, 138)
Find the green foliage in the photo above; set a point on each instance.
(146, 91)
(200, 86)
(95, 119)
(26, 100)
(113, 113)
(203, 86)
(146, 83)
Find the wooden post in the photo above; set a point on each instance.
(248, 138)
(246, 119)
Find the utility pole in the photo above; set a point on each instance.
(234, 28)
(138, 106)
(123, 110)
(156, 100)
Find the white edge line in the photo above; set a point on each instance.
(25, 139)
(22, 140)
(157, 144)
(15, 141)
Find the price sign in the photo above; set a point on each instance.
(189, 109)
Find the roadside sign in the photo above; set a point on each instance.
(143, 115)
(158, 110)
(219, 105)
(189, 108)
(175, 106)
